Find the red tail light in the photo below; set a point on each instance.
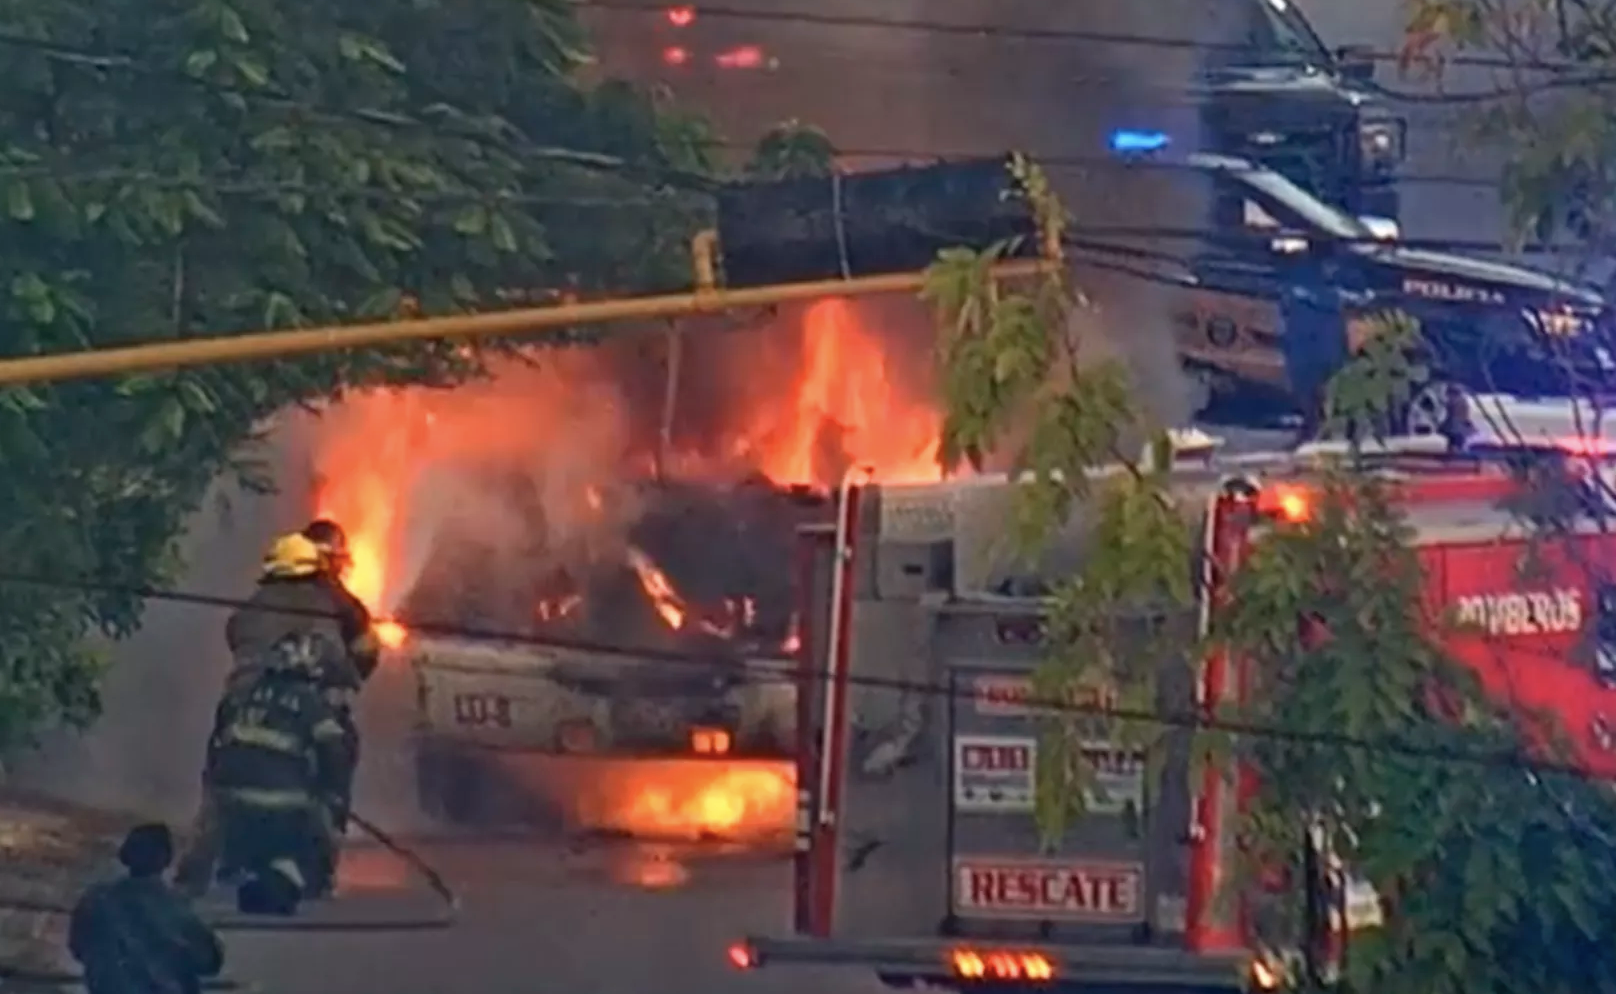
(999, 964)
(673, 55)
(681, 17)
(710, 741)
(741, 956)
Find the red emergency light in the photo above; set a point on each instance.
(1000, 964)
(745, 57)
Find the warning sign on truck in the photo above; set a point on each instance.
(1074, 890)
(997, 696)
(1119, 778)
(993, 772)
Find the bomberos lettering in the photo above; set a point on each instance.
(1532, 612)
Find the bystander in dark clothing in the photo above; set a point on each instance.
(135, 935)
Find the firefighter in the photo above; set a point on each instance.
(276, 765)
(302, 590)
(299, 591)
(135, 935)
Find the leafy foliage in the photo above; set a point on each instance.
(172, 168)
(1365, 398)
(1489, 880)
(1492, 877)
(1552, 108)
(1013, 357)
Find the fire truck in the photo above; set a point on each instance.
(917, 856)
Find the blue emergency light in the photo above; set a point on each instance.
(1127, 140)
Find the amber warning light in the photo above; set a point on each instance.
(1289, 504)
(1000, 964)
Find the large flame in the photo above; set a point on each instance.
(846, 392)
(741, 801)
(800, 414)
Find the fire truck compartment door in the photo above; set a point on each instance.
(1119, 865)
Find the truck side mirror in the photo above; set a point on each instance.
(1356, 62)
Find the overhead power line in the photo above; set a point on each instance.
(1005, 31)
(785, 670)
(106, 60)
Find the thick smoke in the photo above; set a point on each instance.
(145, 752)
(919, 95)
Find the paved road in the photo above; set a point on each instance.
(541, 918)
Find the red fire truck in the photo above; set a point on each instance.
(917, 855)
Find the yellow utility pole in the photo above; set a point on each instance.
(707, 299)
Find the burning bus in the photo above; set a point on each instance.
(616, 657)
(586, 558)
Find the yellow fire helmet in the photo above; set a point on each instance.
(292, 555)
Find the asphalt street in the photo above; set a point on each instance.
(539, 917)
(544, 918)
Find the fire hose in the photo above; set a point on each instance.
(22, 978)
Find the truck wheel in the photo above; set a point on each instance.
(447, 785)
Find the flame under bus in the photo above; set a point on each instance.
(604, 740)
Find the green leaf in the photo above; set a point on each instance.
(200, 61)
(19, 202)
(473, 220)
(196, 397)
(231, 25)
(252, 70)
(503, 237)
(200, 210)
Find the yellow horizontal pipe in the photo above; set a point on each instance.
(306, 341)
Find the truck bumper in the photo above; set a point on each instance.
(934, 961)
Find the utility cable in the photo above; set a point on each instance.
(105, 60)
(783, 669)
(597, 160)
(1019, 33)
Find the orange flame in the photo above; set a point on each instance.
(711, 800)
(847, 397)
(363, 500)
(804, 402)
(669, 605)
